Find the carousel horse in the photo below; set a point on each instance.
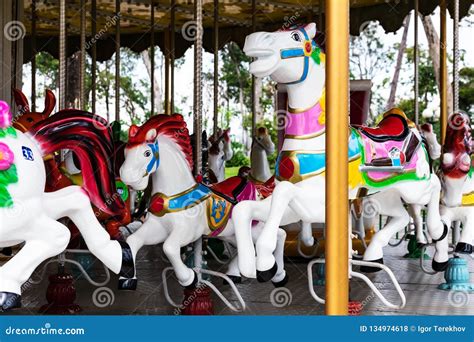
(262, 147)
(182, 210)
(220, 151)
(457, 180)
(388, 162)
(29, 214)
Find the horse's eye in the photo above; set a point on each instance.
(296, 37)
(147, 153)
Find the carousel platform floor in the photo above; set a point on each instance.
(423, 297)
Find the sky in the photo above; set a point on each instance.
(184, 74)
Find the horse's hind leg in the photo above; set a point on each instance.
(48, 238)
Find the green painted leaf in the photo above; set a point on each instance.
(315, 55)
(10, 131)
(5, 198)
(9, 176)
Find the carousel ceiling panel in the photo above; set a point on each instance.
(235, 20)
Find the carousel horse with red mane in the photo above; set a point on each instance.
(29, 214)
(181, 209)
(457, 201)
(387, 162)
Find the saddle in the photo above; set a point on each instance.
(391, 145)
(231, 189)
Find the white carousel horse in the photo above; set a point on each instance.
(28, 214)
(220, 151)
(388, 161)
(181, 210)
(262, 147)
(457, 180)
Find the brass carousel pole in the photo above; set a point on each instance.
(94, 54)
(33, 52)
(416, 64)
(197, 87)
(337, 232)
(117, 60)
(216, 68)
(254, 102)
(456, 57)
(443, 71)
(152, 56)
(62, 54)
(172, 53)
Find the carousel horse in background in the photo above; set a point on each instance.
(29, 214)
(262, 147)
(220, 151)
(457, 201)
(388, 162)
(182, 210)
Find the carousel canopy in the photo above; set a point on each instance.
(235, 21)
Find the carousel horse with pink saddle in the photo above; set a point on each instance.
(389, 163)
(29, 214)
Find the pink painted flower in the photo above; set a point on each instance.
(6, 157)
(5, 115)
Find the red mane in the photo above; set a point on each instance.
(171, 126)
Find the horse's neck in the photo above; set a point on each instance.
(260, 168)
(305, 94)
(173, 175)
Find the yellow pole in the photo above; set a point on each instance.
(337, 91)
(443, 72)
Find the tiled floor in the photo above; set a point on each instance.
(423, 297)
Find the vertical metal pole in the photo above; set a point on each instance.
(33, 52)
(216, 68)
(152, 56)
(197, 86)
(62, 54)
(443, 71)
(337, 121)
(172, 53)
(94, 52)
(456, 57)
(117, 60)
(82, 76)
(167, 71)
(254, 104)
(416, 63)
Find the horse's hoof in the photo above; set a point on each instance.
(370, 269)
(235, 279)
(463, 248)
(439, 266)
(194, 282)
(9, 301)
(127, 284)
(264, 276)
(282, 282)
(128, 266)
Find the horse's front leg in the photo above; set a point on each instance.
(45, 238)
(466, 239)
(74, 203)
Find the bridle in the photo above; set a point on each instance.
(306, 51)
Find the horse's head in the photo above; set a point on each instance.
(285, 56)
(434, 147)
(141, 158)
(142, 152)
(456, 160)
(27, 119)
(264, 141)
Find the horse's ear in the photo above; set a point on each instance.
(132, 131)
(151, 135)
(21, 101)
(49, 103)
(311, 30)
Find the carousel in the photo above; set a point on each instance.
(95, 223)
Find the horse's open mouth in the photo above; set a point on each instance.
(262, 64)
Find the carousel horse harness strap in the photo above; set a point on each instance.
(391, 145)
(220, 199)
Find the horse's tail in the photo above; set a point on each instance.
(91, 140)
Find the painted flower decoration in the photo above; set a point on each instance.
(5, 115)
(6, 157)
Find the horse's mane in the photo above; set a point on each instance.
(172, 126)
(457, 132)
